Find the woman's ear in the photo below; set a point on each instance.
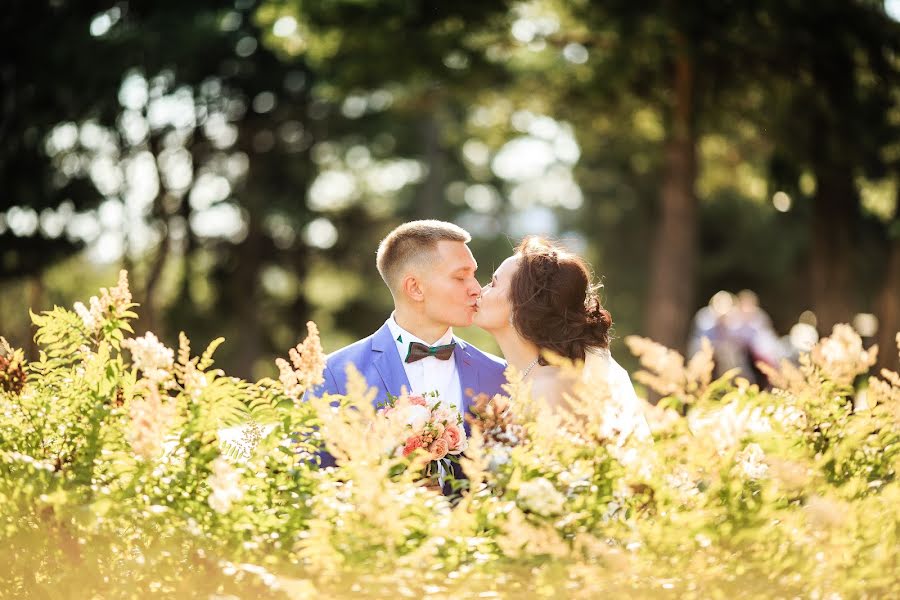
(412, 288)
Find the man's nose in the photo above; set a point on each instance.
(474, 288)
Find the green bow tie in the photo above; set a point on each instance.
(419, 351)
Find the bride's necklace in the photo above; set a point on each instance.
(529, 368)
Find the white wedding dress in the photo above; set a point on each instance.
(622, 410)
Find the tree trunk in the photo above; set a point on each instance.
(36, 304)
(149, 310)
(431, 191)
(887, 306)
(246, 297)
(673, 259)
(831, 270)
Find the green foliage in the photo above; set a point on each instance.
(116, 477)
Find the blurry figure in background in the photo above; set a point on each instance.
(740, 332)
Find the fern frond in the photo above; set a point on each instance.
(184, 355)
(61, 334)
(263, 401)
(233, 450)
(206, 360)
(223, 404)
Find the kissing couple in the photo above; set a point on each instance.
(539, 299)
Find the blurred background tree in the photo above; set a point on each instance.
(243, 159)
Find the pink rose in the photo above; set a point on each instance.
(451, 434)
(412, 444)
(418, 400)
(438, 449)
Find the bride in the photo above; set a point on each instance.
(541, 299)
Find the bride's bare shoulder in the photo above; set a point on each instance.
(549, 385)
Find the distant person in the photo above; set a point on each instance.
(740, 332)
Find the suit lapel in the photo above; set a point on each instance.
(387, 362)
(468, 374)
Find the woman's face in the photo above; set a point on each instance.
(494, 308)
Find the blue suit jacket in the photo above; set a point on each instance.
(377, 359)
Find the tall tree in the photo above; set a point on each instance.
(832, 104)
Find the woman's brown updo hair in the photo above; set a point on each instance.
(553, 303)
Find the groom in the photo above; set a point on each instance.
(430, 272)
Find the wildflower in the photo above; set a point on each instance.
(12, 371)
(152, 358)
(682, 481)
(151, 417)
(668, 365)
(789, 475)
(841, 356)
(751, 461)
(194, 381)
(306, 367)
(87, 317)
(661, 420)
(498, 457)
(540, 497)
(668, 373)
(496, 422)
(120, 295)
(577, 476)
(225, 486)
(114, 302)
(251, 436)
(825, 512)
(728, 425)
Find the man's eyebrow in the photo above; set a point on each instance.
(467, 268)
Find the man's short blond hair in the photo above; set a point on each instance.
(411, 242)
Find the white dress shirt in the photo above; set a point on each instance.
(429, 374)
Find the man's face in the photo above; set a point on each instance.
(449, 286)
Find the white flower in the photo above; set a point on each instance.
(112, 302)
(540, 497)
(90, 322)
(680, 479)
(151, 417)
(752, 462)
(728, 425)
(413, 415)
(150, 356)
(577, 475)
(225, 485)
(445, 415)
(194, 381)
(499, 456)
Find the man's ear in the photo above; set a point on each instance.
(412, 288)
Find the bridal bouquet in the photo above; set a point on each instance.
(428, 426)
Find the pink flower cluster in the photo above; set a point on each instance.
(436, 429)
